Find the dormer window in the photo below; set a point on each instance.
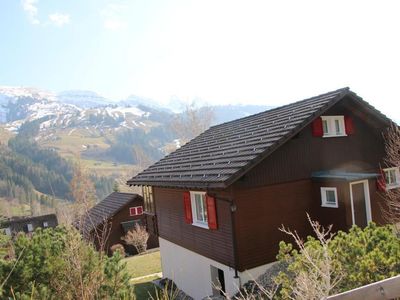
(333, 126)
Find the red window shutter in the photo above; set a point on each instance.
(132, 211)
(211, 212)
(317, 127)
(381, 182)
(139, 210)
(188, 208)
(348, 122)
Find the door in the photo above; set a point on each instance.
(360, 203)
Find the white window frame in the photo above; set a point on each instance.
(395, 184)
(196, 222)
(29, 226)
(45, 224)
(324, 202)
(331, 126)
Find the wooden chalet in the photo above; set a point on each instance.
(218, 201)
(112, 218)
(28, 224)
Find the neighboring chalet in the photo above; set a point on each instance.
(112, 218)
(219, 200)
(14, 225)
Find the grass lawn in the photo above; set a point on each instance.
(142, 265)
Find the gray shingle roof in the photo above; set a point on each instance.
(223, 153)
(106, 208)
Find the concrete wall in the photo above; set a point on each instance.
(192, 272)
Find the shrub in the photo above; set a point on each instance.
(59, 264)
(118, 248)
(137, 237)
(345, 261)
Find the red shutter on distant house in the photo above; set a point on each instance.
(381, 182)
(135, 211)
(317, 127)
(187, 207)
(348, 123)
(211, 212)
(139, 210)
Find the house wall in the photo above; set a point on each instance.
(116, 230)
(298, 158)
(261, 211)
(191, 271)
(20, 225)
(214, 244)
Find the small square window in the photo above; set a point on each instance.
(199, 209)
(333, 126)
(392, 178)
(329, 197)
(45, 224)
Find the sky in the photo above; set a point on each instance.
(219, 51)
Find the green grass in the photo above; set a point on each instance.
(142, 265)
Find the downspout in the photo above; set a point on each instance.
(234, 240)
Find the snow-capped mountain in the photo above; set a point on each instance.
(18, 105)
(83, 99)
(82, 109)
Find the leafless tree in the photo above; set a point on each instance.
(138, 238)
(320, 277)
(391, 209)
(192, 121)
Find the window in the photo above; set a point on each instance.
(392, 178)
(329, 197)
(199, 209)
(29, 227)
(147, 192)
(333, 126)
(45, 224)
(7, 231)
(136, 211)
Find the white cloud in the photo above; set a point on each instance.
(59, 19)
(112, 16)
(29, 6)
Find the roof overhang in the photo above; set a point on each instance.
(342, 175)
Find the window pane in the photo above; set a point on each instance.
(330, 197)
(201, 210)
(390, 177)
(325, 126)
(337, 127)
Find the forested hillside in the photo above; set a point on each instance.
(32, 174)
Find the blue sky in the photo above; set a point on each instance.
(262, 52)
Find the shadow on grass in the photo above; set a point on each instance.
(145, 290)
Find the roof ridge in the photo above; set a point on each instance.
(338, 91)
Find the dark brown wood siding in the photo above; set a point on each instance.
(304, 154)
(261, 212)
(214, 244)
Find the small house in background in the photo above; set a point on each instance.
(14, 225)
(112, 218)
